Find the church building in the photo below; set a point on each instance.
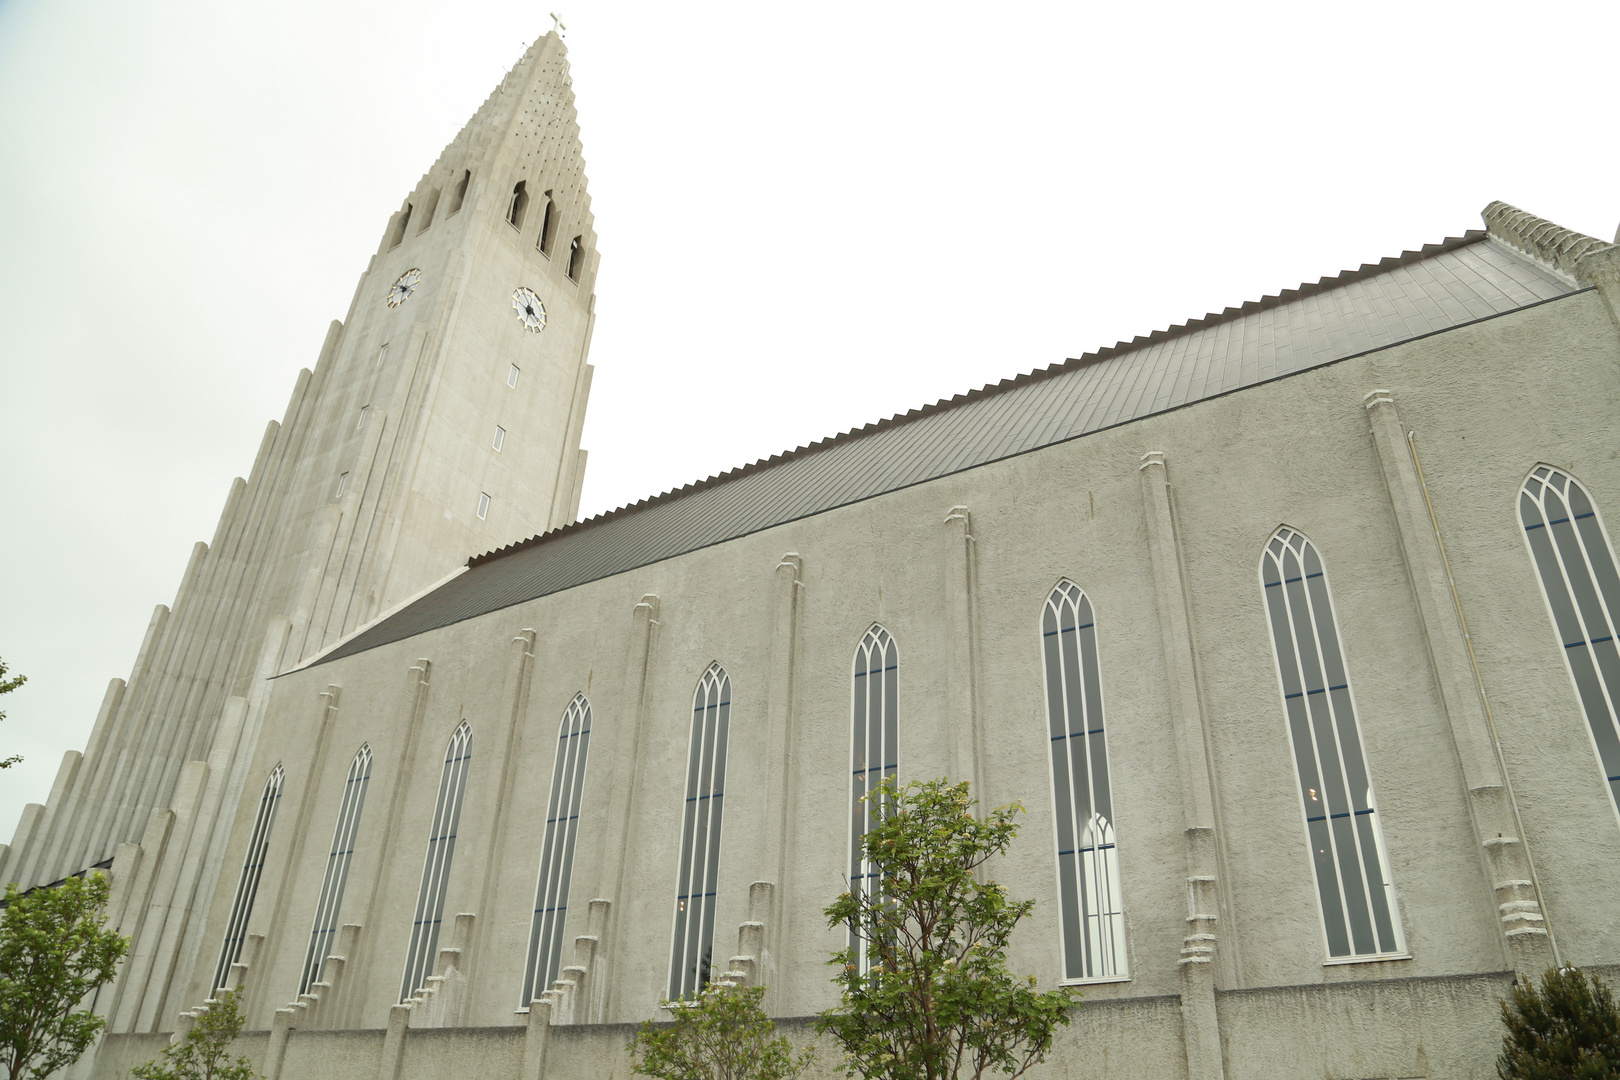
(1292, 628)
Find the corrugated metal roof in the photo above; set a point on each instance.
(1421, 292)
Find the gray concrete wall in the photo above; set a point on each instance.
(1486, 402)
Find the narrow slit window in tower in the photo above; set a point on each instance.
(400, 225)
(576, 258)
(519, 203)
(548, 225)
(343, 485)
(557, 852)
(692, 944)
(428, 210)
(500, 437)
(459, 195)
(512, 376)
(382, 354)
(362, 421)
(1359, 916)
(483, 505)
(424, 948)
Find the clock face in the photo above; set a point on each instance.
(402, 289)
(530, 311)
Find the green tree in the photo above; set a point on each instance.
(723, 1034)
(937, 1001)
(1569, 1029)
(203, 1053)
(54, 949)
(6, 687)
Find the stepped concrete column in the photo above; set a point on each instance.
(623, 811)
(1506, 861)
(1199, 1022)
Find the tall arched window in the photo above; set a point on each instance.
(693, 945)
(1091, 918)
(1577, 567)
(874, 750)
(330, 904)
(247, 886)
(1336, 794)
(557, 854)
(436, 867)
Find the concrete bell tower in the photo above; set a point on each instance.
(441, 420)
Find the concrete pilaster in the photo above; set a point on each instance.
(622, 811)
(962, 706)
(1507, 862)
(1200, 1024)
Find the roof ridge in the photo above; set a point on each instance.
(1120, 348)
(1544, 241)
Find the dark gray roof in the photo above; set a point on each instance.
(1422, 292)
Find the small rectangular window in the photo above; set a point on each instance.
(483, 505)
(512, 377)
(363, 410)
(500, 436)
(382, 354)
(343, 485)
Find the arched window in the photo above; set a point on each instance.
(548, 225)
(693, 945)
(519, 203)
(576, 258)
(1336, 794)
(557, 854)
(1091, 918)
(330, 903)
(436, 867)
(1576, 563)
(874, 750)
(459, 195)
(247, 886)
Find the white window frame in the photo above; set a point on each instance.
(1345, 721)
(247, 886)
(329, 906)
(1091, 907)
(441, 850)
(512, 374)
(1585, 627)
(483, 505)
(500, 438)
(362, 421)
(382, 354)
(702, 820)
(549, 926)
(343, 485)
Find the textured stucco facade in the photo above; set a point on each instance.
(1401, 462)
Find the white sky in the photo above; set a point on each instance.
(810, 217)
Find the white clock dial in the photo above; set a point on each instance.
(530, 311)
(402, 289)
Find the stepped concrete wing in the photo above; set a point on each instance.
(1442, 286)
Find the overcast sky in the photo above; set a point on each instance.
(810, 217)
